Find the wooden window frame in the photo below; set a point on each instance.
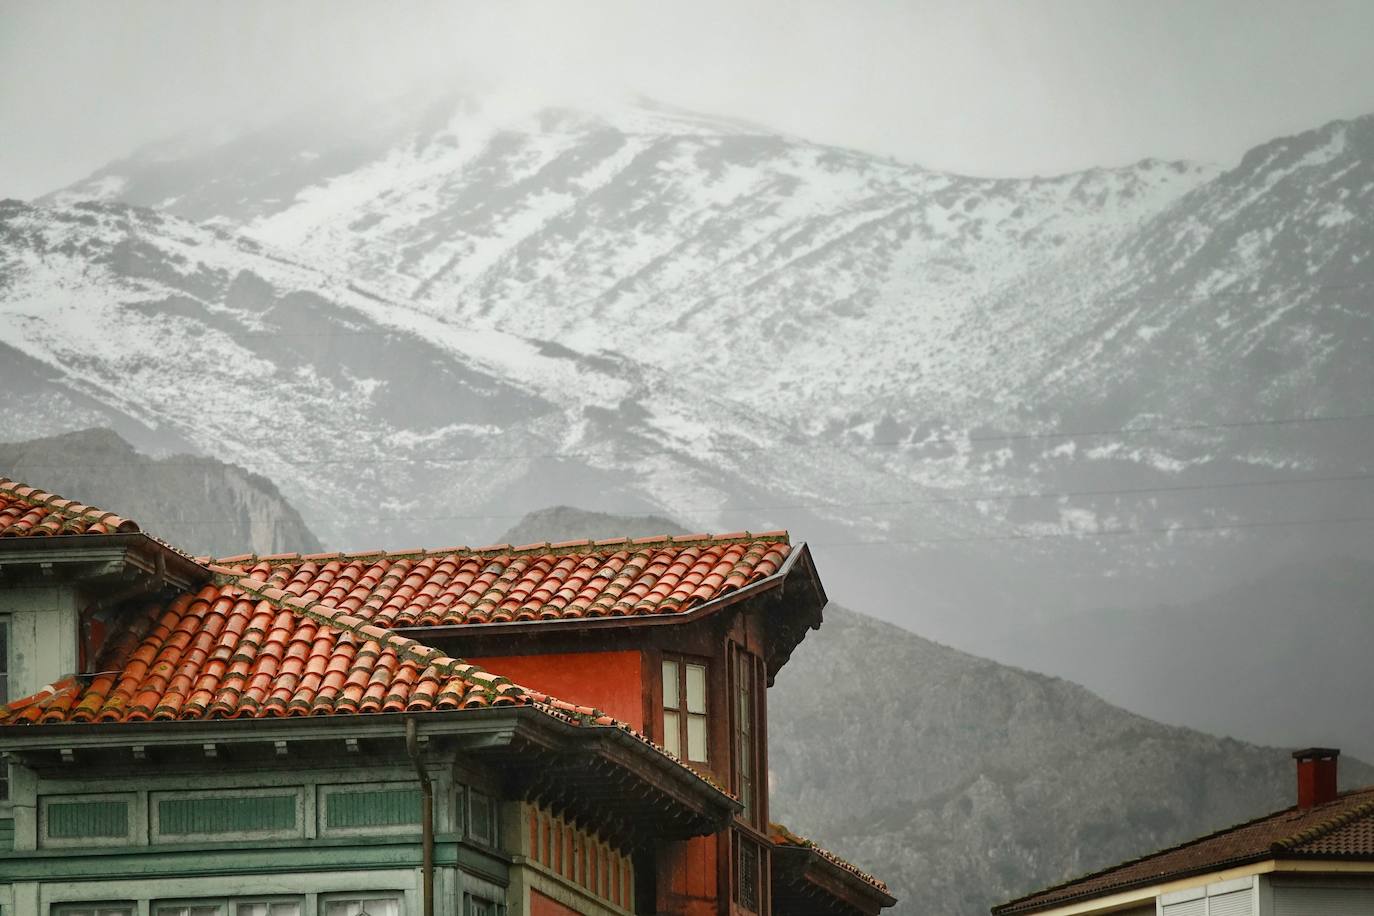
(227, 906)
(743, 849)
(478, 802)
(399, 897)
(681, 708)
(746, 733)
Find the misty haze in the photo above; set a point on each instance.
(1019, 359)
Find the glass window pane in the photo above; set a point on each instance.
(292, 908)
(696, 737)
(670, 697)
(370, 906)
(479, 817)
(696, 688)
(672, 736)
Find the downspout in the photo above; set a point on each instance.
(426, 816)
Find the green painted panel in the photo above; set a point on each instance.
(225, 814)
(81, 819)
(244, 857)
(373, 808)
(6, 834)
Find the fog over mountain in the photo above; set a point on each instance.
(993, 407)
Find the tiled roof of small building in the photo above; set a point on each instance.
(1339, 829)
(782, 836)
(29, 512)
(575, 579)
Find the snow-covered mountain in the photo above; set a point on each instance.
(683, 233)
(460, 315)
(384, 423)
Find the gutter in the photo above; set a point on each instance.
(426, 814)
(482, 722)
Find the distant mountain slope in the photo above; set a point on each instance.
(566, 523)
(963, 782)
(199, 504)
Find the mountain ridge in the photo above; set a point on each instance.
(989, 403)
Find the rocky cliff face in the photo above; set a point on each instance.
(199, 504)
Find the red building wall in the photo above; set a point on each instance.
(611, 681)
(687, 877)
(547, 906)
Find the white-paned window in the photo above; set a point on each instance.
(363, 906)
(684, 708)
(477, 906)
(190, 909)
(268, 908)
(94, 909)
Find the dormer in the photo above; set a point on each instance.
(66, 570)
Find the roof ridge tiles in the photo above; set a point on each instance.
(1332, 824)
(559, 548)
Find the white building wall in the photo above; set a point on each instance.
(1314, 900)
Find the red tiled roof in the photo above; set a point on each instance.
(29, 512)
(578, 579)
(240, 647)
(1340, 829)
(781, 836)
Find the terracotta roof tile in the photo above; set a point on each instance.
(241, 647)
(469, 586)
(29, 512)
(1339, 829)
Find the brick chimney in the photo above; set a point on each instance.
(1316, 775)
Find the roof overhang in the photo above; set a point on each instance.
(792, 599)
(601, 775)
(98, 560)
(806, 882)
(1140, 893)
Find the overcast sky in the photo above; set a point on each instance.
(1014, 87)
